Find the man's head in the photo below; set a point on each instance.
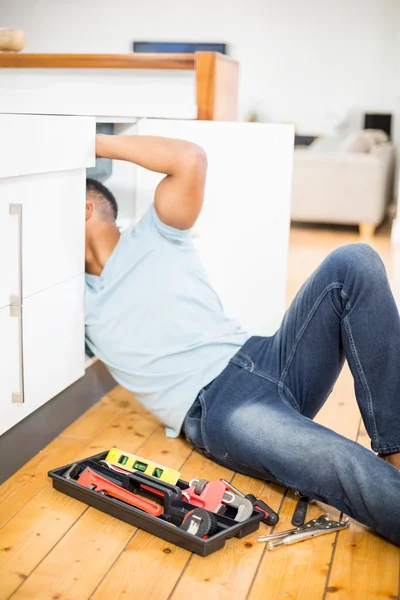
(102, 232)
(101, 205)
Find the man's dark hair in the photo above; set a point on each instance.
(104, 197)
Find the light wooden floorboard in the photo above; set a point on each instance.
(55, 548)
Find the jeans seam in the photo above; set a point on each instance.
(387, 449)
(283, 389)
(247, 357)
(202, 426)
(361, 374)
(280, 386)
(331, 286)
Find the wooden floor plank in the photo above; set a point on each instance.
(129, 428)
(125, 399)
(31, 517)
(95, 419)
(27, 538)
(365, 566)
(31, 477)
(147, 569)
(73, 569)
(296, 572)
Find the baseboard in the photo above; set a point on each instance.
(31, 435)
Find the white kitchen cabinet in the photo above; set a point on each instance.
(53, 349)
(53, 226)
(8, 258)
(242, 232)
(43, 164)
(9, 360)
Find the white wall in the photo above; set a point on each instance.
(311, 62)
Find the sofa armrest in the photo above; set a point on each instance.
(340, 187)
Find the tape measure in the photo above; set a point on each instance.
(133, 463)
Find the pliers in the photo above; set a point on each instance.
(311, 529)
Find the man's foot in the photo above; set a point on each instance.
(392, 459)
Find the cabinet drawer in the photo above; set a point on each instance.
(39, 143)
(53, 348)
(51, 230)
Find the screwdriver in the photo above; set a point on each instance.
(270, 516)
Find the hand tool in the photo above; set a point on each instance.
(313, 528)
(133, 463)
(143, 486)
(200, 522)
(92, 480)
(72, 472)
(299, 515)
(270, 516)
(215, 497)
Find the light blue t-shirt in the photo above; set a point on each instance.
(153, 318)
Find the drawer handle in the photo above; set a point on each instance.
(16, 210)
(19, 397)
(16, 308)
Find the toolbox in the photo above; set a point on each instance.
(168, 525)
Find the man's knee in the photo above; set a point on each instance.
(357, 259)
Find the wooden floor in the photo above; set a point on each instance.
(53, 547)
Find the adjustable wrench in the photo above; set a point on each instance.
(215, 496)
(93, 481)
(270, 516)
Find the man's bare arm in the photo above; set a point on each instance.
(179, 196)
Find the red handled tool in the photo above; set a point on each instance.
(93, 481)
(215, 496)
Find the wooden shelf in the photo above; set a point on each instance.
(14, 60)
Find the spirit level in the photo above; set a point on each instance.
(133, 463)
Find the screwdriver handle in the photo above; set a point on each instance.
(270, 516)
(299, 515)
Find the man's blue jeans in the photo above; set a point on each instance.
(256, 416)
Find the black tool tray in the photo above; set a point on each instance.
(167, 525)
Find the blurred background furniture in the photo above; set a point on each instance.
(203, 85)
(382, 121)
(345, 179)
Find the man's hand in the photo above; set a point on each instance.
(179, 196)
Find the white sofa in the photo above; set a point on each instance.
(344, 179)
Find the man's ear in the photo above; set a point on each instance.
(89, 208)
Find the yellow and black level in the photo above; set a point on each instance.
(133, 463)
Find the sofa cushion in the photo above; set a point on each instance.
(357, 141)
(328, 143)
(377, 136)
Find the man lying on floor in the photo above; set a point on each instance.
(247, 402)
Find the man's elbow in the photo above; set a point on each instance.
(196, 159)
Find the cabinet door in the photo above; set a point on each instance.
(53, 227)
(9, 361)
(242, 232)
(8, 252)
(53, 348)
